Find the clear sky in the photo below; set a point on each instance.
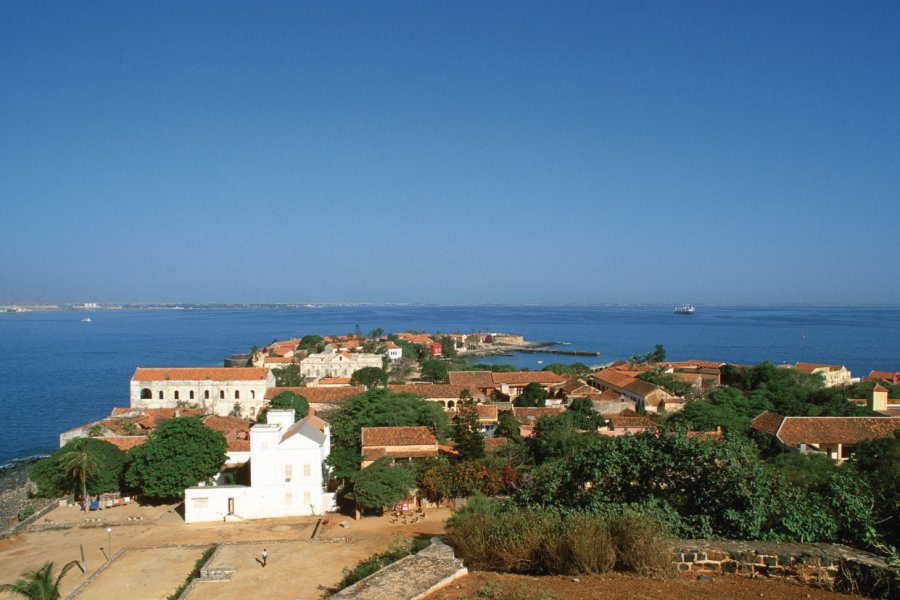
(706, 152)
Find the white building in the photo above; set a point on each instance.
(394, 352)
(214, 390)
(287, 475)
(334, 363)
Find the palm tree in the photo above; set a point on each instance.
(38, 584)
(81, 463)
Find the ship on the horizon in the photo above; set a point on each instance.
(685, 309)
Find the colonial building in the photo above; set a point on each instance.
(397, 443)
(288, 476)
(219, 391)
(336, 363)
(647, 395)
(832, 374)
(319, 398)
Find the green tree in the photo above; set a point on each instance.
(288, 376)
(40, 584)
(178, 455)
(369, 377)
(53, 480)
(435, 370)
(469, 441)
(401, 369)
(448, 346)
(381, 484)
(80, 463)
(286, 400)
(508, 427)
(878, 462)
(311, 343)
(584, 416)
(532, 395)
(556, 437)
(95, 430)
(668, 382)
(376, 333)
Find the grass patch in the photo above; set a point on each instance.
(398, 548)
(508, 591)
(195, 573)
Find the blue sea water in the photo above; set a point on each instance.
(57, 372)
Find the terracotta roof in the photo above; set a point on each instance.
(879, 388)
(473, 380)
(226, 424)
(334, 381)
(526, 377)
(202, 374)
(531, 415)
(319, 395)
(416, 338)
(708, 364)
(886, 375)
(278, 360)
(631, 422)
(613, 377)
(767, 421)
(835, 430)
(487, 411)
(397, 436)
(124, 443)
(434, 390)
(809, 368)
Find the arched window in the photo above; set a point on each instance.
(253, 394)
(221, 394)
(146, 394)
(177, 396)
(161, 395)
(450, 404)
(237, 395)
(252, 411)
(206, 395)
(191, 395)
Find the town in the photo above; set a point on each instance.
(364, 428)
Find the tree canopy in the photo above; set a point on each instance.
(178, 455)
(369, 377)
(469, 441)
(435, 369)
(53, 479)
(41, 583)
(381, 484)
(286, 400)
(532, 395)
(288, 376)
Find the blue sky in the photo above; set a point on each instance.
(712, 152)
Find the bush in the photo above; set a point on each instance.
(25, 512)
(582, 546)
(640, 544)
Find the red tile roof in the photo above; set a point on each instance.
(526, 377)
(319, 395)
(434, 390)
(124, 443)
(613, 377)
(473, 380)
(809, 368)
(278, 360)
(708, 364)
(201, 374)
(767, 421)
(334, 381)
(631, 422)
(835, 430)
(397, 436)
(531, 415)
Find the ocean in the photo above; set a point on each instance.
(57, 372)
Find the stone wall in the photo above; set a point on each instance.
(831, 565)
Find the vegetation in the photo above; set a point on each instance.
(468, 438)
(877, 462)
(311, 343)
(369, 377)
(578, 369)
(288, 376)
(584, 416)
(194, 574)
(435, 369)
(532, 395)
(56, 475)
(657, 356)
(378, 407)
(508, 427)
(178, 455)
(286, 400)
(40, 584)
(493, 537)
(398, 548)
(381, 484)
(441, 479)
(668, 382)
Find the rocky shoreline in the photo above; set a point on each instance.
(15, 493)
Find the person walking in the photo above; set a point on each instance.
(265, 557)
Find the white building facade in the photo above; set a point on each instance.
(214, 390)
(288, 476)
(334, 363)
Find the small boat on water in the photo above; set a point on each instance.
(685, 309)
(86, 320)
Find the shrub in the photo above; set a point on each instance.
(398, 548)
(640, 544)
(25, 512)
(581, 546)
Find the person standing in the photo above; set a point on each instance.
(265, 557)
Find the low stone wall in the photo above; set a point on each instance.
(410, 578)
(830, 565)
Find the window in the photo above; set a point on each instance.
(253, 394)
(177, 397)
(288, 473)
(289, 499)
(221, 394)
(252, 411)
(199, 503)
(206, 395)
(161, 395)
(307, 499)
(237, 395)
(146, 394)
(306, 470)
(191, 395)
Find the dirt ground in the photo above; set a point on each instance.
(495, 586)
(142, 571)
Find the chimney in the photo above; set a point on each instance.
(878, 398)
